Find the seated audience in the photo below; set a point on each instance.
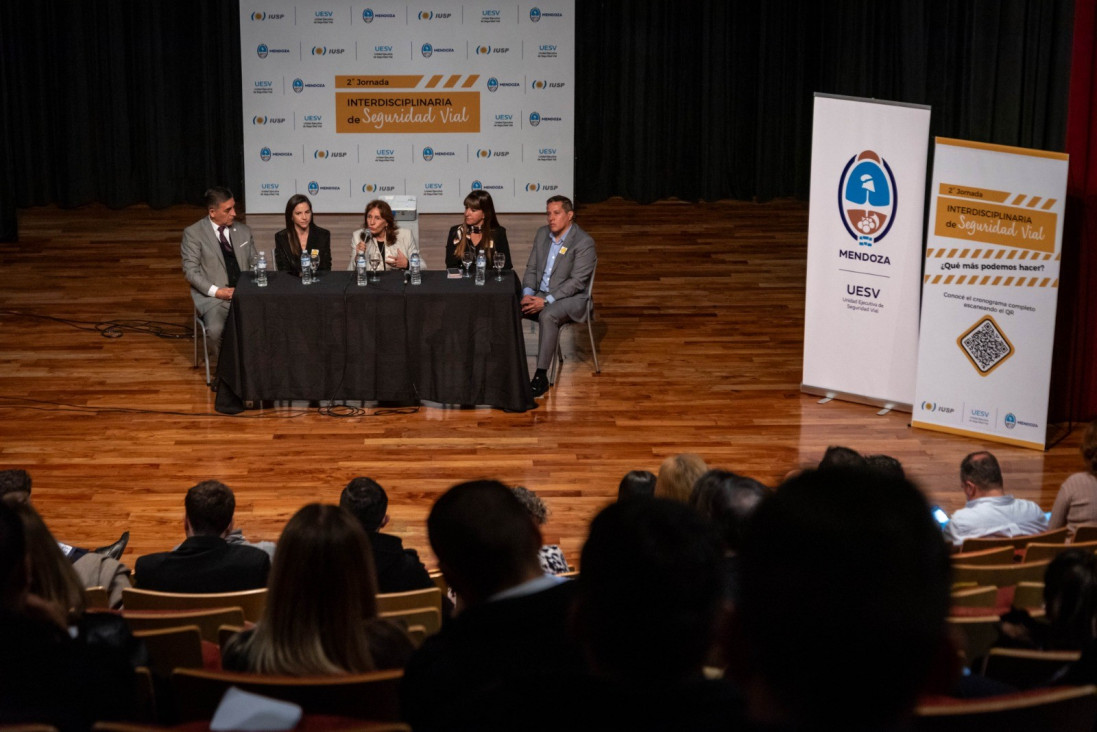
(845, 589)
(1070, 605)
(636, 484)
(551, 556)
(321, 612)
(513, 621)
(677, 475)
(727, 500)
(398, 569)
(989, 511)
(1076, 503)
(205, 561)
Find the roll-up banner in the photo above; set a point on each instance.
(346, 102)
(868, 177)
(989, 291)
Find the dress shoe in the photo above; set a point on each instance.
(114, 551)
(538, 385)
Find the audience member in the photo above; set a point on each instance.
(677, 475)
(838, 456)
(636, 484)
(321, 612)
(1076, 503)
(398, 568)
(886, 464)
(726, 500)
(513, 623)
(205, 561)
(846, 637)
(551, 556)
(989, 512)
(1070, 605)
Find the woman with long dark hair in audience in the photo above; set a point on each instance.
(1076, 503)
(321, 613)
(481, 230)
(381, 234)
(301, 235)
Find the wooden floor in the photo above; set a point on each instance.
(699, 328)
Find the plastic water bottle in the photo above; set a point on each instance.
(360, 269)
(261, 270)
(306, 269)
(415, 267)
(481, 267)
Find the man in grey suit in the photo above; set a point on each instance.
(554, 287)
(215, 251)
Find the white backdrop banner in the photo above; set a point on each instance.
(868, 176)
(989, 292)
(346, 102)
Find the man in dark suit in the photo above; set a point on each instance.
(205, 562)
(512, 627)
(555, 284)
(398, 569)
(215, 251)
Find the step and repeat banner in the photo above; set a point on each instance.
(990, 287)
(348, 102)
(868, 176)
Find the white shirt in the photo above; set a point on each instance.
(995, 516)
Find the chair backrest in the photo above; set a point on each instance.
(172, 648)
(999, 575)
(1062, 708)
(1028, 595)
(359, 696)
(974, 597)
(1085, 533)
(1055, 536)
(391, 601)
(979, 634)
(439, 580)
(1038, 552)
(207, 621)
(97, 597)
(225, 634)
(999, 555)
(428, 617)
(1025, 669)
(251, 602)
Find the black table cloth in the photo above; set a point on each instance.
(445, 341)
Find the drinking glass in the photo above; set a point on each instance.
(314, 255)
(374, 263)
(500, 261)
(466, 259)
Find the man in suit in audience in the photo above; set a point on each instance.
(215, 251)
(554, 286)
(989, 511)
(205, 561)
(512, 627)
(398, 569)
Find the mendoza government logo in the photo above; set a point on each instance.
(429, 153)
(493, 84)
(535, 14)
(867, 198)
(260, 120)
(312, 122)
(265, 154)
(536, 118)
(269, 189)
(428, 50)
(478, 185)
(263, 50)
(369, 15)
(315, 188)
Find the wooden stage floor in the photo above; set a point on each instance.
(699, 329)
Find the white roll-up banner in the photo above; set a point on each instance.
(989, 291)
(868, 176)
(346, 102)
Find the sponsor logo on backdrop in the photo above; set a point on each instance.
(488, 50)
(548, 50)
(434, 189)
(323, 17)
(315, 188)
(478, 185)
(534, 14)
(935, 407)
(263, 87)
(534, 187)
(430, 15)
(1010, 421)
(493, 84)
(491, 15)
(267, 16)
(427, 50)
(327, 51)
(369, 15)
(329, 154)
(312, 122)
(269, 189)
(430, 153)
(263, 50)
(546, 154)
(299, 85)
(542, 84)
(383, 51)
(503, 120)
(264, 154)
(978, 416)
(384, 155)
(485, 153)
(261, 120)
(374, 188)
(867, 198)
(534, 119)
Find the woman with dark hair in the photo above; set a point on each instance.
(382, 236)
(301, 234)
(1076, 503)
(481, 230)
(321, 613)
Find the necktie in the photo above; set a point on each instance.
(225, 246)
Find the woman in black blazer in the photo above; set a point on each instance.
(300, 232)
(481, 230)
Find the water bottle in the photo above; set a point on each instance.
(261, 270)
(481, 267)
(306, 269)
(414, 266)
(360, 269)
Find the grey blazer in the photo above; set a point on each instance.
(203, 264)
(572, 271)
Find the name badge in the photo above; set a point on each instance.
(563, 250)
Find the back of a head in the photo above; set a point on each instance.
(484, 539)
(366, 501)
(15, 485)
(844, 574)
(636, 484)
(727, 500)
(650, 591)
(210, 506)
(886, 464)
(982, 469)
(1070, 597)
(533, 504)
(51, 574)
(13, 565)
(677, 475)
(838, 456)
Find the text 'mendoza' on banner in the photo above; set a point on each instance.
(868, 173)
(989, 292)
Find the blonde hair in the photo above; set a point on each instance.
(677, 475)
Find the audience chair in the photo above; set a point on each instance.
(979, 634)
(97, 597)
(430, 618)
(200, 325)
(1025, 669)
(1085, 533)
(373, 696)
(558, 357)
(975, 597)
(1062, 708)
(1037, 552)
(225, 634)
(1001, 555)
(251, 602)
(1029, 595)
(439, 580)
(172, 648)
(999, 575)
(1055, 536)
(388, 602)
(208, 622)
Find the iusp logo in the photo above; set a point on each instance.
(929, 407)
(427, 50)
(533, 187)
(534, 119)
(483, 50)
(493, 84)
(534, 14)
(867, 197)
(298, 86)
(483, 154)
(369, 187)
(314, 188)
(477, 186)
(320, 154)
(538, 84)
(264, 154)
(426, 15)
(258, 16)
(428, 154)
(319, 50)
(367, 15)
(262, 50)
(258, 120)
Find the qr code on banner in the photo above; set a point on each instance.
(985, 345)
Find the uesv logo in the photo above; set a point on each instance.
(323, 17)
(867, 197)
(312, 122)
